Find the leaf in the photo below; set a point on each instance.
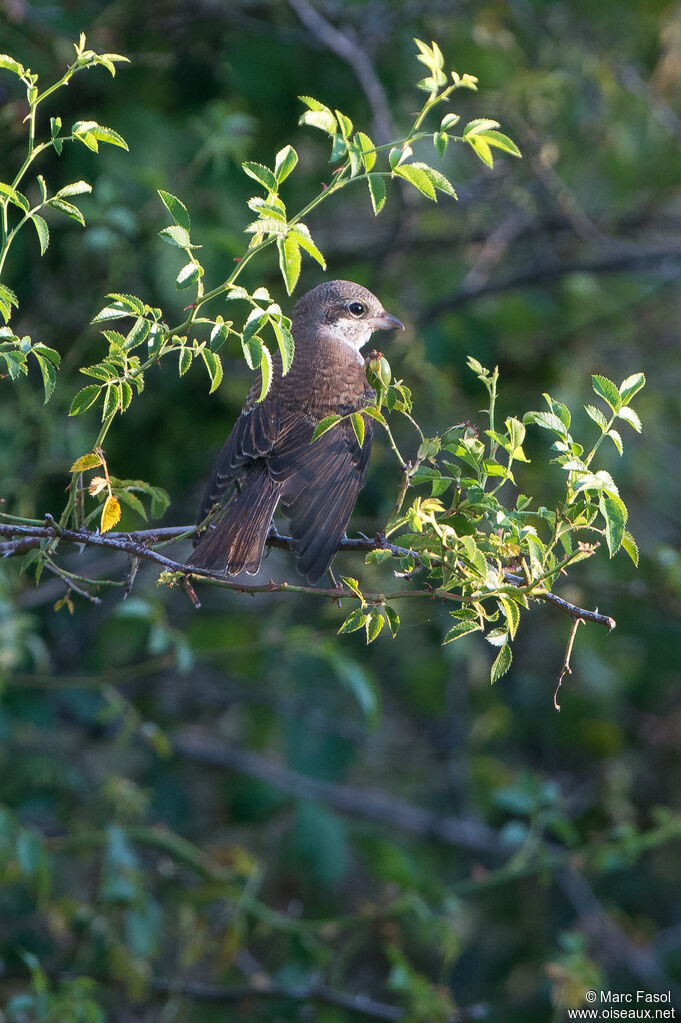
(376, 192)
(418, 178)
(630, 546)
(18, 198)
(305, 241)
(261, 174)
(357, 421)
(614, 512)
(597, 416)
(213, 364)
(187, 276)
(68, 208)
(606, 390)
(10, 64)
(437, 179)
(43, 232)
(286, 345)
(269, 209)
(48, 373)
(175, 235)
(185, 361)
(499, 141)
(353, 585)
(132, 501)
(353, 622)
(111, 514)
(477, 125)
(324, 425)
(374, 413)
(547, 420)
(616, 439)
(461, 629)
(75, 188)
(631, 386)
(373, 624)
(511, 613)
(501, 664)
(289, 260)
(84, 399)
(98, 133)
(367, 149)
(482, 150)
(393, 619)
(265, 372)
(89, 461)
(137, 333)
(177, 209)
(629, 416)
(320, 117)
(284, 162)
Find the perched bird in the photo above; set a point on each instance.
(268, 456)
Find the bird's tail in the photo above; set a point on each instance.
(237, 539)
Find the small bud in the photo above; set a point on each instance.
(378, 371)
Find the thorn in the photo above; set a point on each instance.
(324, 186)
(237, 259)
(192, 305)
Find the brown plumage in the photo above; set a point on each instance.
(268, 456)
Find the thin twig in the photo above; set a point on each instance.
(566, 669)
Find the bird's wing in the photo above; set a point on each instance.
(320, 485)
(253, 436)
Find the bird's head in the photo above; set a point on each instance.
(342, 311)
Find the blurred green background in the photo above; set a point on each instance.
(192, 803)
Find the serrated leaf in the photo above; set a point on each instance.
(132, 501)
(263, 208)
(84, 399)
(367, 150)
(606, 390)
(357, 421)
(10, 64)
(263, 175)
(353, 622)
(42, 231)
(438, 180)
(188, 275)
(353, 585)
(185, 361)
(511, 613)
(286, 345)
(482, 150)
(89, 461)
(284, 162)
(322, 119)
(175, 235)
(499, 141)
(461, 629)
(614, 512)
(629, 416)
(323, 426)
(393, 619)
(501, 664)
(49, 375)
(373, 624)
(68, 208)
(111, 401)
(631, 386)
(16, 197)
(137, 333)
(176, 208)
(547, 420)
(479, 124)
(213, 364)
(289, 260)
(75, 188)
(377, 192)
(305, 241)
(630, 546)
(87, 131)
(616, 439)
(374, 413)
(418, 178)
(597, 416)
(265, 372)
(111, 514)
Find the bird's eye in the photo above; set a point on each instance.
(356, 308)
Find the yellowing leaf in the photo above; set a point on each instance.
(89, 461)
(97, 484)
(111, 513)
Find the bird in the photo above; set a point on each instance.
(269, 457)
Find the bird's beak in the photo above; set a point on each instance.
(385, 321)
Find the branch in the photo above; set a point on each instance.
(135, 545)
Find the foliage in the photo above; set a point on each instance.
(237, 812)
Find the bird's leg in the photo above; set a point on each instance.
(334, 585)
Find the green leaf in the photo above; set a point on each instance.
(188, 275)
(631, 386)
(374, 413)
(137, 333)
(393, 619)
(304, 239)
(18, 198)
(630, 546)
(265, 372)
(268, 225)
(548, 421)
(367, 149)
(175, 235)
(75, 188)
(84, 399)
(286, 345)
(511, 613)
(418, 178)
(268, 209)
(48, 373)
(318, 116)
(629, 416)
(461, 629)
(357, 421)
(597, 416)
(284, 162)
(10, 64)
(89, 461)
(616, 439)
(90, 134)
(289, 260)
(438, 180)
(132, 501)
(353, 622)
(43, 232)
(376, 192)
(373, 624)
(219, 334)
(606, 390)
(185, 361)
(252, 348)
(261, 174)
(499, 141)
(177, 209)
(324, 425)
(214, 366)
(614, 512)
(482, 150)
(68, 208)
(477, 125)
(501, 664)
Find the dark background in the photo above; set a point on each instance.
(560, 868)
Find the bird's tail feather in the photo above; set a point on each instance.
(237, 540)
